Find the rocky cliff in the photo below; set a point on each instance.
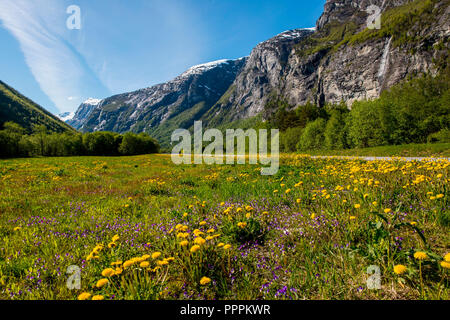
(343, 60)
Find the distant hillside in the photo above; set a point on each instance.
(21, 110)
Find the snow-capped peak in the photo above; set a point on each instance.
(292, 34)
(92, 101)
(198, 69)
(66, 116)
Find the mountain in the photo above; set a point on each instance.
(339, 60)
(343, 60)
(66, 116)
(21, 110)
(261, 77)
(83, 112)
(158, 109)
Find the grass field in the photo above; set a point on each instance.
(143, 228)
(407, 150)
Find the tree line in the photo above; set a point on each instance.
(15, 142)
(414, 111)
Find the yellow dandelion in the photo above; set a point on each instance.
(115, 238)
(357, 206)
(352, 217)
(204, 281)
(387, 210)
(108, 272)
(137, 259)
(144, 264)
(420, 255)
(227, 246)
(156, 255)
(101, 283)
(202, 223)
(447, 257)
(220, 245)
(200, 241)
(84, 296)
(242, 225)
(162, 262)
(445, 264)
(195, 248)
(98, 297)
(128, 263)
(183, 235)
(184, 243)
(400, 269)
(197, 232)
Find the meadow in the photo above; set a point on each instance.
(142, 228)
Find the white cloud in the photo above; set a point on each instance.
(38, 26)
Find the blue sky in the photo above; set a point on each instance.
(125, 45)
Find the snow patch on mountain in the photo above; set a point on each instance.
(92, 101)
(201, 68)
(66, 116)
(293, 34)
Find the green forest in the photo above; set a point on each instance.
(15, 142)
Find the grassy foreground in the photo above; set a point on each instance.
(438, 150)
(143, 228)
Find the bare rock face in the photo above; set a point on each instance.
(336, 71)
(363, 71)
(262, 75)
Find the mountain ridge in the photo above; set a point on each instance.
(15, 107)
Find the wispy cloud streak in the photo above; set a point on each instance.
(39, 26)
